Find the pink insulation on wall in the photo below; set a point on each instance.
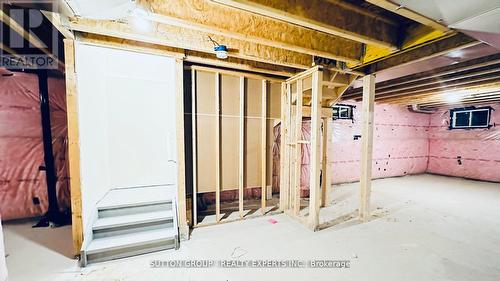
(21, 146)
(305, 156)
(404, 143)
(473, 154)
(400, 143)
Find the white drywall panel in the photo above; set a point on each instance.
(126, 110)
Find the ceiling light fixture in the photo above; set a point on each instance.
(220, 50)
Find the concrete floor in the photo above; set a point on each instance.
(424, 227)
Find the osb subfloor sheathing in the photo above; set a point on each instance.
(424, 227)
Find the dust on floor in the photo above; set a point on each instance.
(425, 227)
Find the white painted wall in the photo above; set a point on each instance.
(126, 104)
(3, 265)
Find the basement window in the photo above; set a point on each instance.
(470, 118)
(343, 111)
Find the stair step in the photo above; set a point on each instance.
(134, 204)
(109, 248)
(110, 222)
(138, 195)
(133, 208)
(118, 225)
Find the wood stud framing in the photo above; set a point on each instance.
(270, 52)
(367, 146)
(263, 144)
(297, 148)
(181, 185)
(285, 176)
(314, 181)
(217, 147)
(241, 155)
(292, 92)
(325, 178)
(242, 119)
(73, 146)
(195, 149)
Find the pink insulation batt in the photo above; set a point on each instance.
(473, 154)
(400, 144)
(21, 146)
(405, 143)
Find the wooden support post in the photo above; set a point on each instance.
(241, 153)
(284, 167)
(73, 146)
(264, 147)
(314, 185)
(195, 148)
(269, 146)
(367, 146)
(181, 186)
(288, 148)
(217, 147)
(298, 146)
(325, 176)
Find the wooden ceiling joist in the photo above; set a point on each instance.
(489, 94)
(431, 82)
(455, 85)
(462, 101)
(480, 91)
(163, 34)
(464, 89)
(332, 17)
(405, 12)
(438, 73)
(495, 98)
(229, 22)
(443, 80)
(418, 53)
